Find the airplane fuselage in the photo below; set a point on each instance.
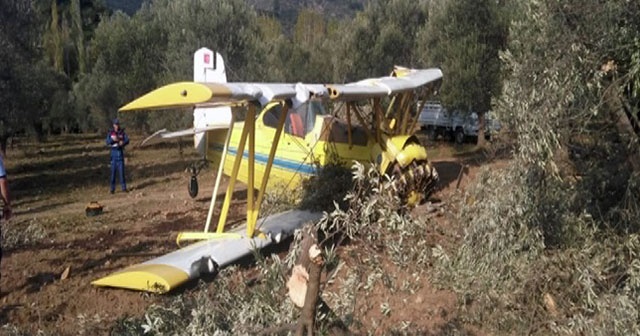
(319, 139)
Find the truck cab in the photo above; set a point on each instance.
(436, 120)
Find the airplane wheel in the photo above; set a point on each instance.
(193, 186)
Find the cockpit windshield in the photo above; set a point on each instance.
(300, 120)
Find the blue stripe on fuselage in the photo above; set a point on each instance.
(294, 166)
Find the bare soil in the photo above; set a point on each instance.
(53, 182)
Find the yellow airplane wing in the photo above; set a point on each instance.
(191, 93)
(184, 94)
(162, 274)
(402, 79)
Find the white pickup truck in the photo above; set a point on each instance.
(436, 121)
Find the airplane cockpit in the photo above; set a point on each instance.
(300, 120)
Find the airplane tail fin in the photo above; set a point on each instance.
(208, 67)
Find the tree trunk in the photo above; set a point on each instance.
(308, 316)
(304, 288)
(481, 126)
(625, 111)
(3, 146)
(627, 125)
(309, 260)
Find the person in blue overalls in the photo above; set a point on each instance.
(4, 195)
(117, 139)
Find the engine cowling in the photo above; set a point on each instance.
(405, 160)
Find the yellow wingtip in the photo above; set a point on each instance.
(182, 94)
(400, 71)
(145, 277)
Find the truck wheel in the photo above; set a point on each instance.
(459, 136)
(431, 133)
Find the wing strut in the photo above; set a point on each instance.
(360, 118)
(423, 101)
(251, 117)
(236, 169)
(405, 108)
(377, 110)
(272, 155)
(220, 172)
(247, 138)
(349, 136)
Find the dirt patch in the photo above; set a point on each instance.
(52, 183)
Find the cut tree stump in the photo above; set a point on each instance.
(305, 283)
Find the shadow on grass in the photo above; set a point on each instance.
(35, 210)
(34, 283)
(66, 162)
(448, 172)
(6, 310)
(462, 157)
(60, 176)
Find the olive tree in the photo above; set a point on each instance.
(551, 239)
(27, 84)
(464, 38)
(133, 55)
(381, 36)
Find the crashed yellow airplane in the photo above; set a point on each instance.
(284, 143)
